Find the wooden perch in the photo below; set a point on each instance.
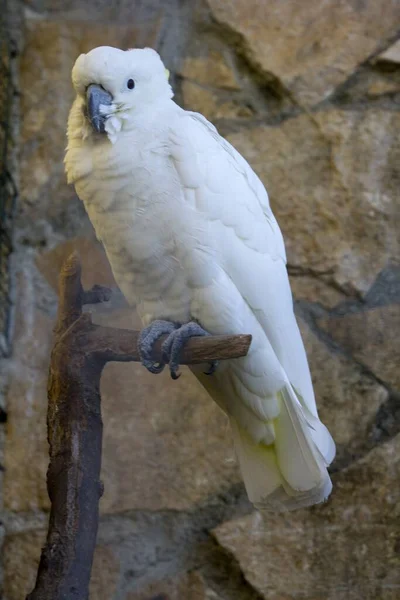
(80, 352)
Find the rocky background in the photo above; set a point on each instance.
(310, 93)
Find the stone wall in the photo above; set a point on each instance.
(310, 94)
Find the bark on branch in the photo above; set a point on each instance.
(74, 424)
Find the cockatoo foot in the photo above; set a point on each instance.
(148, 337)
(212, 368)
(175, 342)
(178, 335)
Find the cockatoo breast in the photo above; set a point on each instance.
(134, 201)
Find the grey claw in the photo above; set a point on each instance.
(153, 367)
(147, 338)
(175, 342)
(212, 368)
(174, 374)
(166, 347)
(170, 354)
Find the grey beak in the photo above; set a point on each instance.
(95, 96)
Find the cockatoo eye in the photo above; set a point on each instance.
(130, 84)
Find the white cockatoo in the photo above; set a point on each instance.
(193, 244)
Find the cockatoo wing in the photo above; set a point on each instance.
(269, 393)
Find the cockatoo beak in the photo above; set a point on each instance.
(95, 97)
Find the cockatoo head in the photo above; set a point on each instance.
(116, 85)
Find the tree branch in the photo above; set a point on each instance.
(120, 345)
(74, 424)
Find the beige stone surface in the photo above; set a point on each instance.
(211, 105)
(376, 83)
(346, 549)
(95, 266)
(22, 554)
(338, 214)
(21, 559)
(306, 287)
(189, 586)
(347, 399)
(26, 437)
(391, 54)
(214, 70)
(26, 456)
(311, 48)
(166, 444)
(211, 87)
(383, 86)
(372, 338)
(146, 16)
(105, 573)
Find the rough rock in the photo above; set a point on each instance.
(347, 399)
(187, 586)
(26, 457)
(391, 54)
(376, 83)
(138, 557)
(210, 86)
(22, 553)
(310, 49)
(95, 266)
(345, 549)
(166, 444)
(105, 573)
(313, 289)
(147, 17)
(212, 105)
(2, 453)
(338, 216)
(371, 337)
(21, 559)
(381, 86)
(214, 70)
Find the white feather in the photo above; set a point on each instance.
(189, 233)
(255, 265)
